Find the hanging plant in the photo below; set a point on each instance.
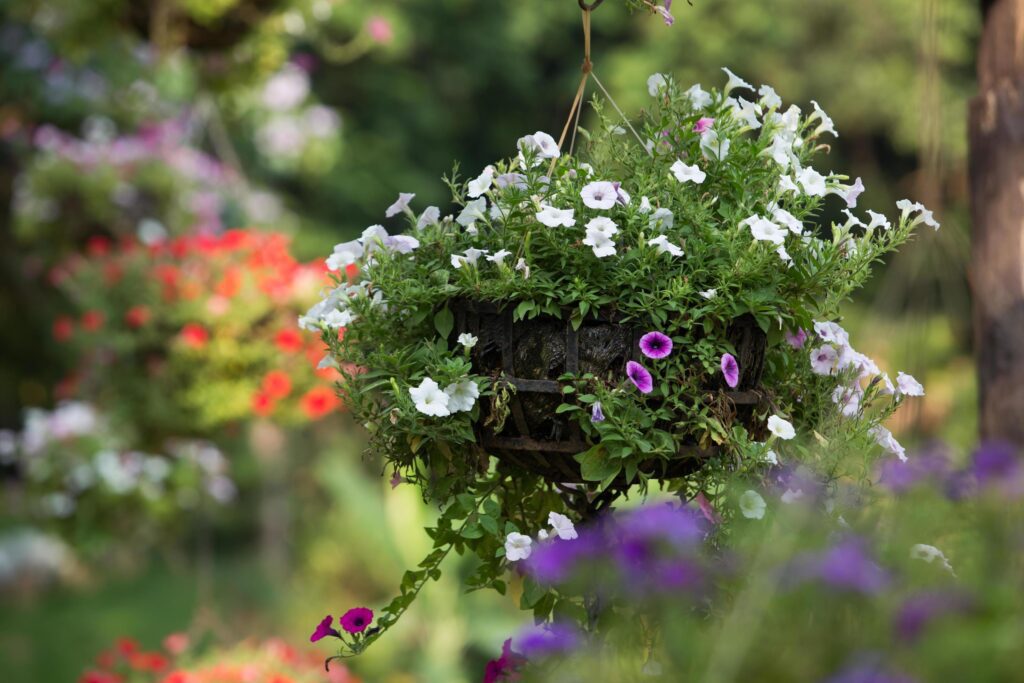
(639, 313)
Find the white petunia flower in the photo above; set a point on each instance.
(518, 546)
(713, 147)
(709, 294)
(662, 219)
(656, 83)
(787, 219)
(906, 385)
(852, 192)
(784, 255)
(848, 398)
(826, 125)
(698, 97)
(781, 151)
(599, 233)
(600, 194)
(429, 398)
(664, 246)
(786, 185)
(552, 217)
(734, 82)
(524, 268)
(886, 440)
(926, 217)
(771, 457)
(563, 526)
(472, 212)
(746, 112)
(688, 173)
(499, 256)
(402, 244)
(336, 319)
(645, 205)
(929, 553)
(541, 144)
(877, 221)
(345, 254)
(769, 98)
(462, 395)
(400, 205)
(430, 216)
(824, 360)
(468, 340)
(481, 183)
(763, 230)
(812, 182)
(832, 332)
(752, 505)
(781, 428)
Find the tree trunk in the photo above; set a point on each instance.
(996, 164)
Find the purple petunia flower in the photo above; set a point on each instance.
(549, 639)
(655, 345)
(845, 566)
(921, 609)
(356, 619)
(640, 377)
(596, 414)
(797, 339)
(730, 370)
(868, 672)
(324, 629)
(994, 462)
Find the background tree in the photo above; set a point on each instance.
(997, 204)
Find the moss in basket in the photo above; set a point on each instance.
(712, 214)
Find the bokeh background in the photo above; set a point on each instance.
(308, 117)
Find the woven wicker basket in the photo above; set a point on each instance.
(532, 354)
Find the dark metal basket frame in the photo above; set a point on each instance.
(527, 452)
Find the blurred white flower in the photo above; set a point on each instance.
(752, 505)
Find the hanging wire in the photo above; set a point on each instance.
(573, 119)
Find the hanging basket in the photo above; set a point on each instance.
(531, 354)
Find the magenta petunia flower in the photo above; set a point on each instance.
(640, 377)
(703, 125)
(730, 370)
(796, 339)
(324, 629)
(655, 345)
(356, 619)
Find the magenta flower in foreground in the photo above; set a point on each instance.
(730, 370)
(703, 125)
(324, 629)
(655, 345)
(356, 619)
(640, 377)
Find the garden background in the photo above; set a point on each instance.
(396, 92)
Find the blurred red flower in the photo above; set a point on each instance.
(277, 384)
(137, 316)
(92, 320)
(288, 340)
(63, 328)
(194, 335)
(319, 401)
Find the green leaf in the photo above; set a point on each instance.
(471, 531)
(444, 321)
(532, 593)
(489, 524)
(595, 465)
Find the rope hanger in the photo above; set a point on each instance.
(588, 70)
